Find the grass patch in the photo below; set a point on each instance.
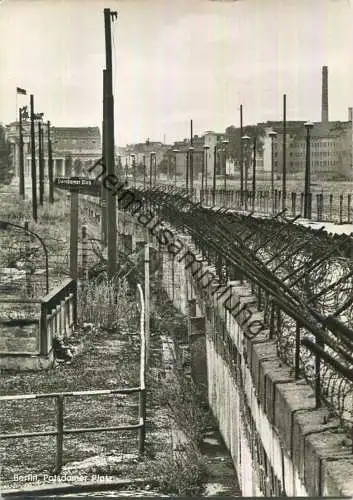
(108, 360)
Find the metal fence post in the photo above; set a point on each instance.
(142, 417)
(43, 332)
(84, 253)
(331, 203)
(60, 433)
(349, 207)
(294, 199)
(318, 207)
(297, 351)
(341, 208)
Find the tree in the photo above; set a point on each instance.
(233, 135)
(6, 170)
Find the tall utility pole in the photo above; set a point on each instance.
(214, 175)
(33, 163)
(41, 163)
(272, 134)
(307, 192)
(103, 190)
(191, 159)
(109, 155)
(151, 171)
(21, 169)
(144, 172)
(241, 158)
(284, 165)
(50, 167)
(254, 175)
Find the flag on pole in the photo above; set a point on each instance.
(21, 91)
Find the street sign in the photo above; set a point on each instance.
(69, 182)
(83, 185)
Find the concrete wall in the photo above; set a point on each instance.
(26, 361)
(279, 442)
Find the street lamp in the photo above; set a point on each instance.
(225, 142)
(133, 156)
(144, 171)
(23, 115)
(204, 171)
(126, 168)
(152, 155)
(307, 201)
(206, 148)
(245, 140)
(272, 134)
(191, 169)
(254, 176)
(175, 151)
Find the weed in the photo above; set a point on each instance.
(106, 304)
(183, 473)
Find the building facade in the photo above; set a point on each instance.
(330, 149)
(74, 149)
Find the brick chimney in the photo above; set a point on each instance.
(324, 97)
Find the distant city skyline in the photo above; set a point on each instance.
(176, 61)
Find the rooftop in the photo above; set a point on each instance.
(76, 132)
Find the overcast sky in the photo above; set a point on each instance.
(176, 60)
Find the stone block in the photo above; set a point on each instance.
(305, 423)
(289, 398)
(338, 478)
(321, 447)
(257, 354)
(273, 373)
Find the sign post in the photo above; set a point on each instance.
(74, 234)
(76, 185)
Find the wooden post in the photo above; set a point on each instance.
(147, 299)
(50, 167)
(21, 169)
(284, 158)
(33, 163)
(41, 163)
(73, 234)
(103, 189)
(241, 159)
(84, 254)
(27, 253)
(60, 433)
(109, 153)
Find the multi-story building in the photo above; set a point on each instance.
(202, 152)
(330, 149)
(73, 148)
(141, 153)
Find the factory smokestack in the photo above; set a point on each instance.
(324, 101)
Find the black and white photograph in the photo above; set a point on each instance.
(176, 249)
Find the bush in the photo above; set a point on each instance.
(183, 401)
(183, 473)
(107, 304)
